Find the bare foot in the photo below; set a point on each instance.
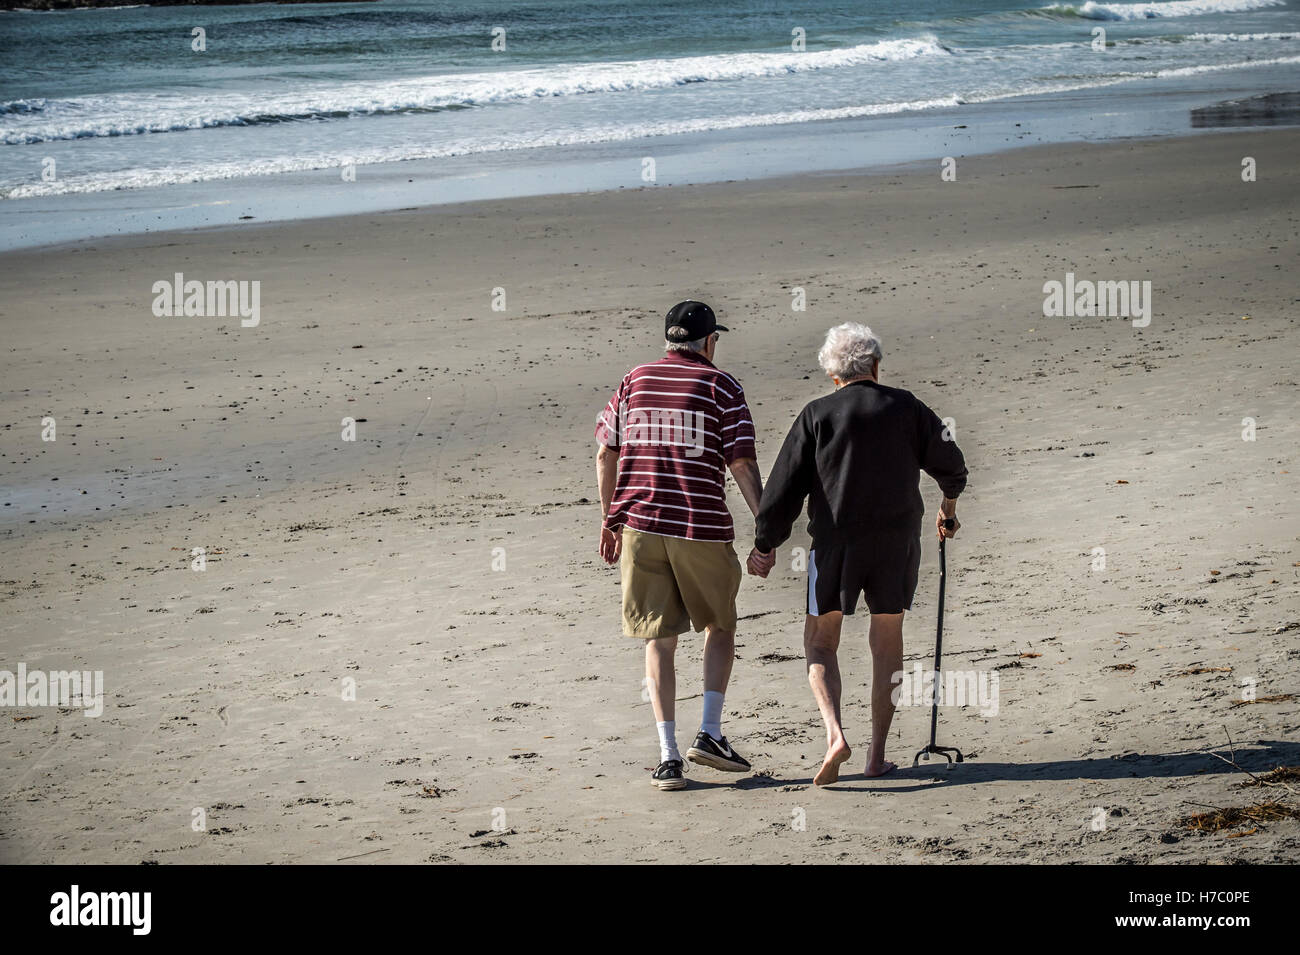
(879, 769)
(830, 771)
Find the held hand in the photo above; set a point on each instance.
(949, 531)
(611, 545)
(760, 564)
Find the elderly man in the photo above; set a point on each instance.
(666, 439)
(857, 454)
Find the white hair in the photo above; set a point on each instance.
(851, 351)
(696, 346)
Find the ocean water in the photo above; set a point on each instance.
(118, 101)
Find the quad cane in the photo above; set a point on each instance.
(938, 653)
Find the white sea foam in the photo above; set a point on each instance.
(1241, 37)
(1128, 77)
(144, 178)
(1215, 67)
(140, 178)
(124, 114)
(1173, 8)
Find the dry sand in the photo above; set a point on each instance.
(498, 713)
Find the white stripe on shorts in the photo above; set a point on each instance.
(812, 584)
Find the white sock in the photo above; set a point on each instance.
(712, 723)
(668, 741)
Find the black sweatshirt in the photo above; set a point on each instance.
(857, 455)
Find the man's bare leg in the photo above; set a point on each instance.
(886, 639)
(719, 655)
(821, 640)
(662, 677)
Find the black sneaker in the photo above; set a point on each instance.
(668, 775)
(708, 751)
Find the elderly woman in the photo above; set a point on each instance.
(857, 454)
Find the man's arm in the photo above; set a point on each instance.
(742, 459)
(606, 476)
(750, 480)
(608, 439)
(606, 479)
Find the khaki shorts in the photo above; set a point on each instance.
(670, 585)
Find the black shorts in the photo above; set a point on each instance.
(883, 567)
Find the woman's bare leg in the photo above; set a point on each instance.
(821, 640)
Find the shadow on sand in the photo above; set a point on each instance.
(1258, 757)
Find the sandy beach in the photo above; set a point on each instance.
(443, 564)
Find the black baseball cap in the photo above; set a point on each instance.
(696, 317)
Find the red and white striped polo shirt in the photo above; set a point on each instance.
(677, 423)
